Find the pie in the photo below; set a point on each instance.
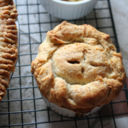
(78, 68)
(8, 43)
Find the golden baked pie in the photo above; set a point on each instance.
(8, 43)
(78, 68)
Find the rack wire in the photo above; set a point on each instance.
(23, 106)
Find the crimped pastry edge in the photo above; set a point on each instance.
(8, 48)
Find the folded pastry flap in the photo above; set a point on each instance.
(68, 33)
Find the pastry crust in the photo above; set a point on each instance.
(8, 43)
(78, 68)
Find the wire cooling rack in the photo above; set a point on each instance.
(23, 106)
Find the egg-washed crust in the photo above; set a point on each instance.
(78, 68)
(8, 43)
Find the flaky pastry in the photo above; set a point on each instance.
(78, 68)
(8, 43)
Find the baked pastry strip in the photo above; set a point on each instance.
(8, 43)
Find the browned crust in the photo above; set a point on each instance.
(78, 68)
(8, 43)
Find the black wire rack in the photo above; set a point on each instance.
(23, 106)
